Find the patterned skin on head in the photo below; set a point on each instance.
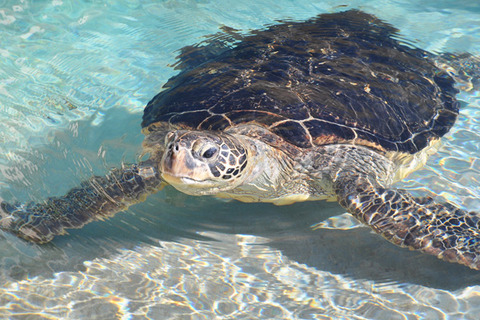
(203, 162)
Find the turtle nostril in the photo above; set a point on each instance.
(173, 147)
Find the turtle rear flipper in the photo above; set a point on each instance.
(440, 229)
(463, 67)
(95, 199)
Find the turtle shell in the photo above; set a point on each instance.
(341, 77)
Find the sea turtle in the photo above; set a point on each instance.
(329, 108)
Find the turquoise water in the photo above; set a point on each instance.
(74, 77)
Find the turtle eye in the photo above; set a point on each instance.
(204, 150)
(209, 152)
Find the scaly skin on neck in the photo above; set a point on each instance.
(333, 163)
(273, 176)
(268, 172)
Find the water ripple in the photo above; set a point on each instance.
(164, 282)
(74, 78)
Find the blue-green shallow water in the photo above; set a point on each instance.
(74, 77)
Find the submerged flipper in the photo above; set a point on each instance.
(464, 68)
(440, 229)
(95, 199)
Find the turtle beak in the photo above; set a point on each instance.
(177, 160)
(178, 166)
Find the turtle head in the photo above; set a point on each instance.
(200, 163)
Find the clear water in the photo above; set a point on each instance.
(74, 77)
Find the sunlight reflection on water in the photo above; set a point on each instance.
(238, 276)
(74, 78)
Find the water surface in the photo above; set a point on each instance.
(74, 77)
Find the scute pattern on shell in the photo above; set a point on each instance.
(340, 77)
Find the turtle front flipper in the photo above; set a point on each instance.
(440, 229)
(95, 199)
